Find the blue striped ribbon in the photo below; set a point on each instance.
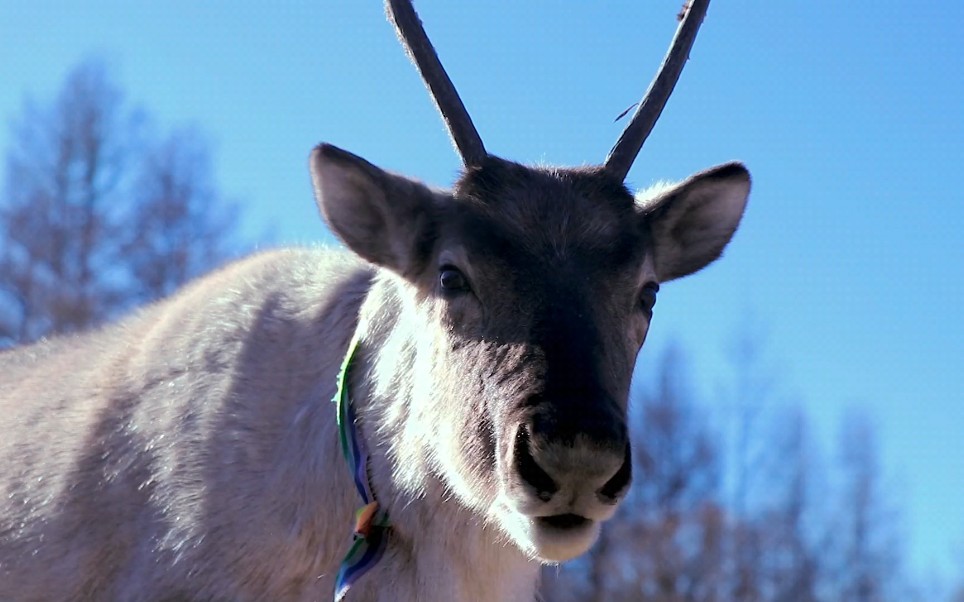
(371, 522)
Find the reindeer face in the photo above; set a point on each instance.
(544, 294)
(531, 292)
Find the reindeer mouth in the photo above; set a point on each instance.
(561, 537)
(563, 522)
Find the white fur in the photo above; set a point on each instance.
(189, 452)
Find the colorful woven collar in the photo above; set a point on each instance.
(371, 522)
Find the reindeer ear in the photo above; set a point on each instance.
(385, 218)
(692, 221)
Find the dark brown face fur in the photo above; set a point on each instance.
(543, 337)
(553, 262)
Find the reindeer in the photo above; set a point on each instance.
(480, 342)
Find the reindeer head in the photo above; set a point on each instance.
(531, 292)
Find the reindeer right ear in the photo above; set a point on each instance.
(692, 221)
(385, 218)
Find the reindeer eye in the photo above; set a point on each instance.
(452, 280)
(647, 299)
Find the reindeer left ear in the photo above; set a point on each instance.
(691, 222)
(384, 218)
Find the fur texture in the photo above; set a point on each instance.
(189, 452)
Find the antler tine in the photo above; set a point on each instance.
(412, 36)
(623, 154)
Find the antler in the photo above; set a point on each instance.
(623, 154)
(412, 36)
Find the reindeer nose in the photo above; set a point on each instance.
(528, 468)
(549, 459)
(617, 485)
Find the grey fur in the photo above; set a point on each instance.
(189, 451)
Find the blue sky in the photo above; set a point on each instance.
(850, 119)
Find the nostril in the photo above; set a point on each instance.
(617, 485)
(530, 471)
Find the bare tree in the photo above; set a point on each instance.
(181, 226)
(866, 547)
(92, 218)
(63, 174)
(750, 399)
(676, 498)
(793, 525)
